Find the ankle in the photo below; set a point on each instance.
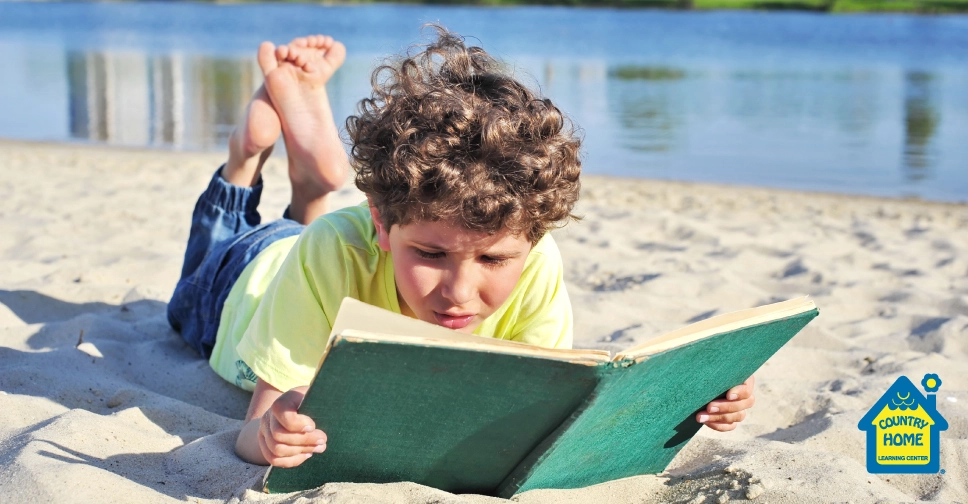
(306, 207)
(243, 168)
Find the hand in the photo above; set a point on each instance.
(725, 415)
(286, 438)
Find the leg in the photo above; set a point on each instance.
(252, 140)
(225, 237)
(225, 214)
(225, 210)
(295, 80)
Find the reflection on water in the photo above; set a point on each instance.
(649, 73)
(871, 104)
(136, 99)
(647, 105)
(194, 101)
(921, 118)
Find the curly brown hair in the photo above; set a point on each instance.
(449, 134)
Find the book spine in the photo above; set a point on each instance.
(519, 476)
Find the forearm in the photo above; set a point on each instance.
(247, 444)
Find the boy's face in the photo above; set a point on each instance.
(449, 276)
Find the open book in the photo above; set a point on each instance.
(404, 400)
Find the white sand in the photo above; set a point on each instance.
(92, 240)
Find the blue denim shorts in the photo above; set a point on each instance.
(226, 235)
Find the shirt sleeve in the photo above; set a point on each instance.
(545, 315)
(290, 328)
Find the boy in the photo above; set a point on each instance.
(465, 170)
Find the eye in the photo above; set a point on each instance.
(428, 255)
(494, 262)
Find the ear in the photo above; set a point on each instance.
(382, 233)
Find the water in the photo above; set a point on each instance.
(872, 104)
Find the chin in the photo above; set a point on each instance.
(468, 329)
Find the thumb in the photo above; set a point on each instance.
(284, 409)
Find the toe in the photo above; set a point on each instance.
(300, 41)
(336, 54)
(282, 53)
(266, 57)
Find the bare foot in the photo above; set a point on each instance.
(251, 141)
(295, 79)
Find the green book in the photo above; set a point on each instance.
(404, 400)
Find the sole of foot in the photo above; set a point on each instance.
(295, 80)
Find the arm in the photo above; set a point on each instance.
(725, 415)
(274, 434)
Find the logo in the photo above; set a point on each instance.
(902, 429)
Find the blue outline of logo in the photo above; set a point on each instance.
(903, 397)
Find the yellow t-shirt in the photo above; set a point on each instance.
(277, 318)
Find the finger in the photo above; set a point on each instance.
(722, 427)
(282, 444)
(722, 418)
(273, 451)
(284, 410)
(274, 460)
(741, 391)
(280, 435)
(730, 406)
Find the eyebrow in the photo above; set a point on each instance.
(499, 253)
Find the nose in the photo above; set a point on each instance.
(459, 287)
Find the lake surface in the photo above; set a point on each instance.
(872, 104)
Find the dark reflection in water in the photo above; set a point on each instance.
(647, 73)
(643, 100)
(169, 100)
(921, 118)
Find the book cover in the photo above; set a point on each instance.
(454, 419)
(468, 414)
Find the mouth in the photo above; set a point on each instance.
(453, 321)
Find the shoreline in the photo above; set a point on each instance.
(93, 239)
(277, 156)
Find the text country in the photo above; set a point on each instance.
(902, 421)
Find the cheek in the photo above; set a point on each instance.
(499, 286)
(413, 281)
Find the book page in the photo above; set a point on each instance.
(363, 320)
(641, 415)
(717, 325)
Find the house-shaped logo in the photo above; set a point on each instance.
(902, 429)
